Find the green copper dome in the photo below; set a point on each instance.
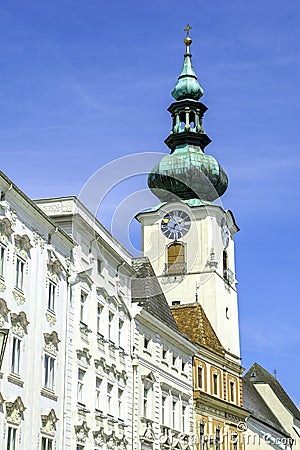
(188, 173)
(187, 86)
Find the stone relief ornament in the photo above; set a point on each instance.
(5, 230)
(19, 323)
(149, 433)
(48, 422)
(84, 356)
(14, 411)
(23, 244)
(82, 432)
(51, 318)
(99, 437)
(13, 217)
(19, 297)
(2, 286)
(54, 267)
(3, 311)
(51, 342)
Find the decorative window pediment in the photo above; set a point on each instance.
(148, 433)
(148, 380)
(86, 281)
(23, 244)
(82, 432)
(84, 356)
(19, 323)
(54, 266)
(14, 411)
(5, 229)
(101, 363)
(51, 341)
(3, 311)
(48, 423)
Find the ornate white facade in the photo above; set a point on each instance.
(35, 258)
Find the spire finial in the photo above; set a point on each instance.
(187, 40)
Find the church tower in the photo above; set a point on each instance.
(189, 237)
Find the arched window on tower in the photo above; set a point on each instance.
(225, 265)
(176, 258)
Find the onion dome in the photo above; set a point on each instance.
(188, 173)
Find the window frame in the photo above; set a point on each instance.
(47, 440)
(11, 438)
(19, 280)
(51, 295)
(98, 397)
(16, 355)
(2, 260)
(49, 372)
(109, 392)
(80, 386)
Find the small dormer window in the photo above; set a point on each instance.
(146, 343)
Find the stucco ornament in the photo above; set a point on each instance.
(82, 432)
(48, 422)
(14, 411)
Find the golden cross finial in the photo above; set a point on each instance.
(187, 29)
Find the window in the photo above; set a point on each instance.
(15, 357)
(80, 386)
(47, 444)
(146, 343)
(99, 317)
(145, 401)
(163, 408)
(109, 398)
(200, 377)
(51, 296)
(164, 354)
(98, 393)
(176, 258)
(215, 384)
(174, 413)
(99, 266)
(11, 438)
(83, 297)
(110, 325)
(225, 265)
(174, 361)
(49, 372)
(19, 273)
(232, 399)
(2, 257)
(183, 418)
(120, 332)
(218, 438)
(183, 366)
(120, 403)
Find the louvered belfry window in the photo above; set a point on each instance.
(176, 258)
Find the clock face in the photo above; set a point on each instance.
(175, 224)
(225, 233)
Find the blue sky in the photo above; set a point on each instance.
(85, 83)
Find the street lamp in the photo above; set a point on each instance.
(3, 340)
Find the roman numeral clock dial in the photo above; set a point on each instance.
(175, 224)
